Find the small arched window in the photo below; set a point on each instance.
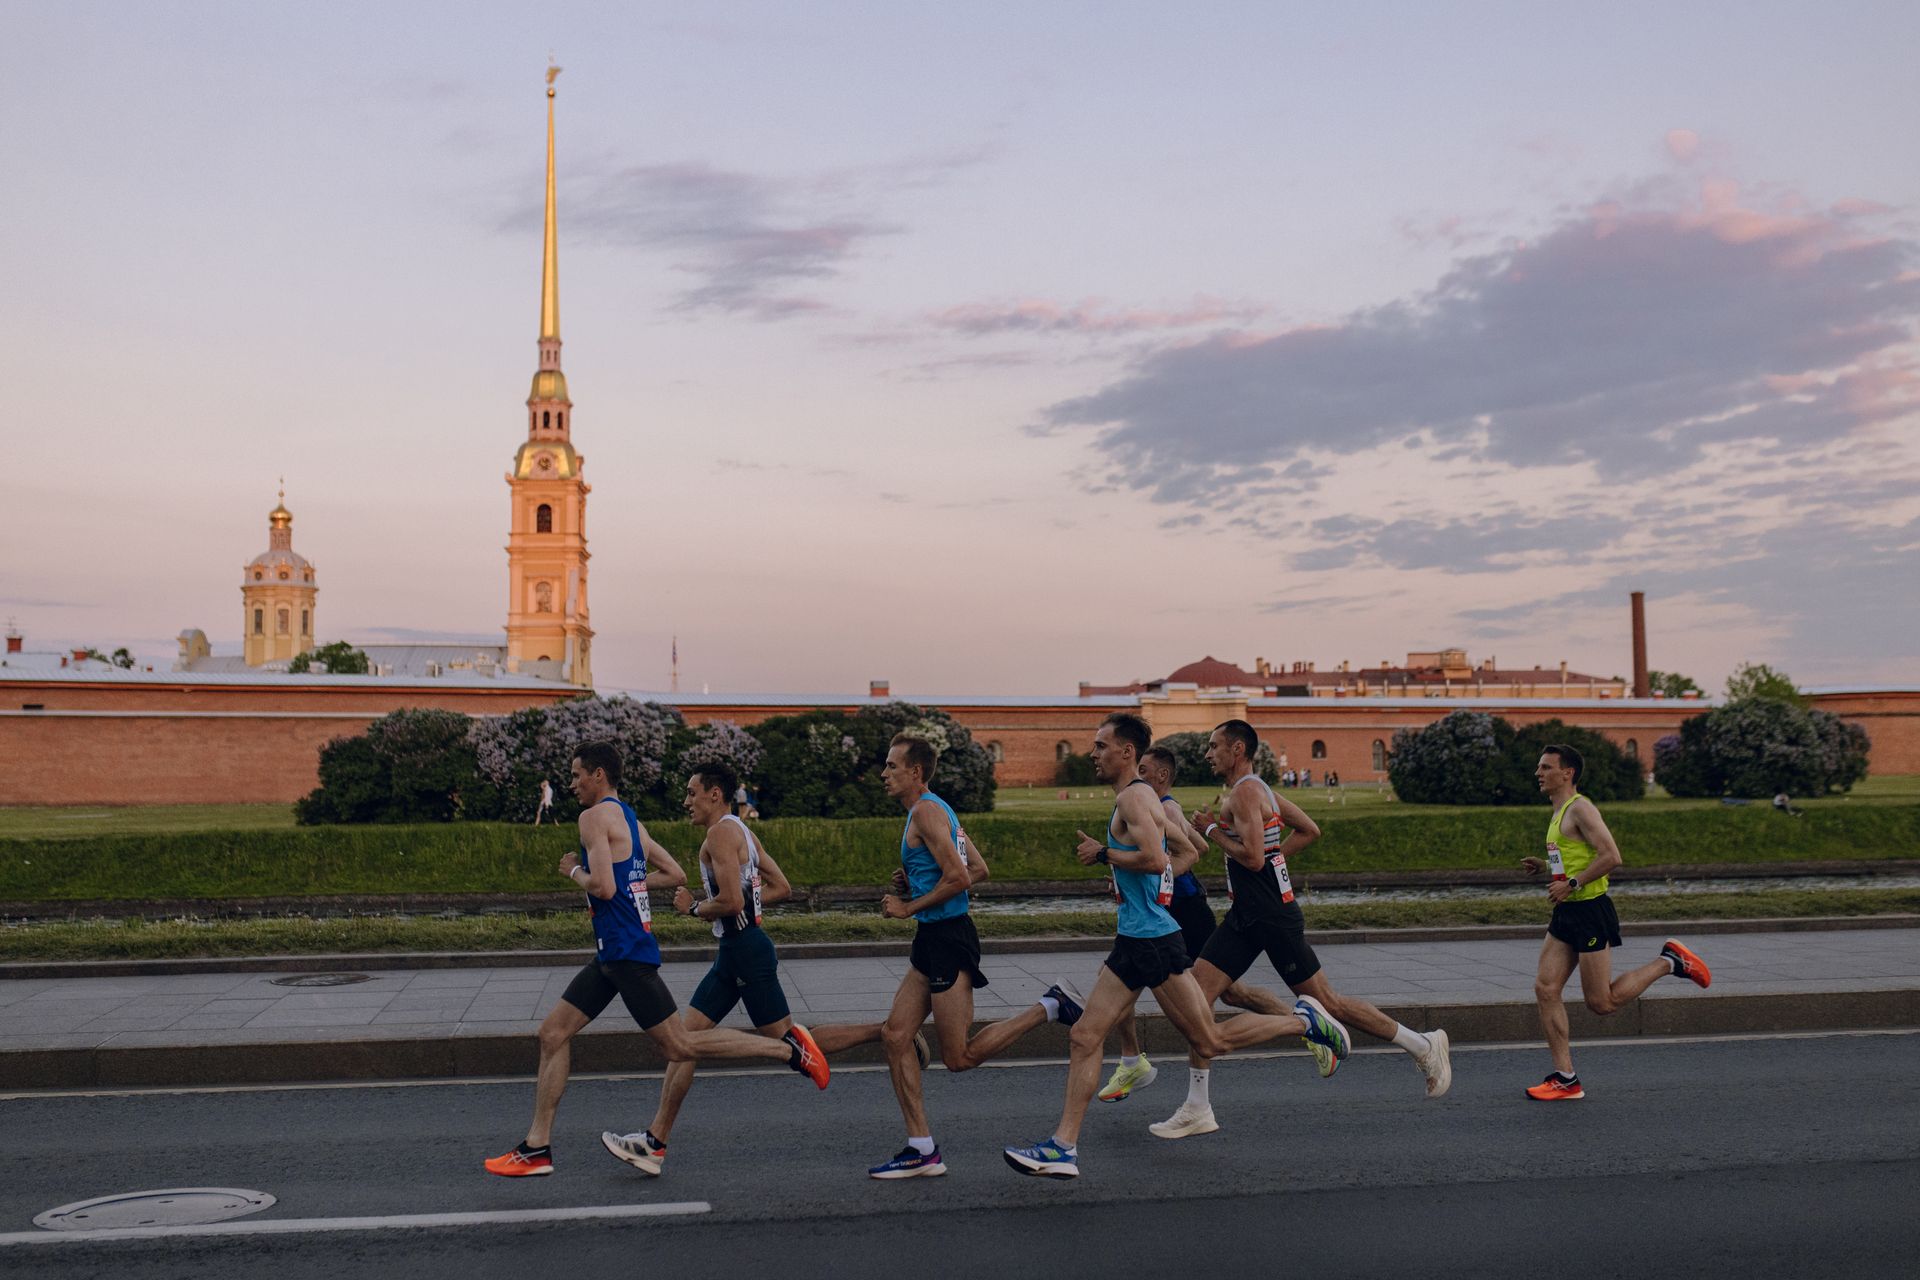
(1061, 750)
(259, 622)
(543, 519)
(1319, 749)
(1633, 748)
(1379, 756)
(546, 418)
(996, 752)
(306, 622)
(282, 619)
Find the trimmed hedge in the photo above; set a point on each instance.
(497, 858)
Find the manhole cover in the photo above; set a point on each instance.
(177, 1207)
(321, 979)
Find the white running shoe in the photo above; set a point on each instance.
(1185, 1123)
(635, 1149)
(1437, 1063)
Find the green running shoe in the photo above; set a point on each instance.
(1125, 1080)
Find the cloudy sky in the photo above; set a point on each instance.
(986, 347)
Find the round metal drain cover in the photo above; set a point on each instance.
(176, 1207)
(321, 979)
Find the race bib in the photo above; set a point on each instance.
(1554, 863)
(637, 886)
(1279, 864)
(1165, 895)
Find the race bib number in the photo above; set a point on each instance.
(1279, 864)
(755, 886)
(637, 886)
(1554, 862)
(1165, 895)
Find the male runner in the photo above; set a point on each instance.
(739, 877)
(1580, 855)
(1193, 913)
(1265, 918)
(945, 963)
(1148, 952)
(626, 963)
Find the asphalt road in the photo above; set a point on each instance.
(1757, 1157)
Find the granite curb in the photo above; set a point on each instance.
(878, 948)
(452, 1054)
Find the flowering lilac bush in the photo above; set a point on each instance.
(827, 763)
(1760, 747)
(1455, 760)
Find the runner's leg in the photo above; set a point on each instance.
(1109, 999)
(1604, 996)
(556, 1063)
(911, 1004)
(1549, 982)
(1184, 1002)
(991, 1040)
(839, 1036)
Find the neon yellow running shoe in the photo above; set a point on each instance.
(1125, 1080)
(1322, 1058)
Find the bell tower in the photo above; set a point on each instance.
(548, 632)
(277, 593)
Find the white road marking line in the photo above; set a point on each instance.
(299, 1226)
(871, 1068)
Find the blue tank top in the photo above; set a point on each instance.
(1143, 895)
(923, 869)
(1186, 884)
(623, 924)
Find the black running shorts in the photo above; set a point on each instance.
(745, 969)
(1148, 962)
(1238, 942)
(1194, 915)
(944, 949)
(639, 985)
(1591, 925)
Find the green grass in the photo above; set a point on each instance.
(133, 939)
(81, 822)
(496, 858)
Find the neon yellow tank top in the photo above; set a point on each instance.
(1572, 855)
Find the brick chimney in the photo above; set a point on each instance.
(1642, 686)
(878, 689)
(1085, 686)
(14, 642)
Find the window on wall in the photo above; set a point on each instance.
(259, 622)
(1633, 748)
(1319, 749)
(306, 622)
(1062, 750)
(543, 519)
(996, 752)
(282, 617)
(546, 418)
(1379, 756)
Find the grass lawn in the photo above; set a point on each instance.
(80, 821)
(134, 939)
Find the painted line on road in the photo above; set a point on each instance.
(400, 1222)
(873, 1068)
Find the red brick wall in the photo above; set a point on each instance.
(1892, 721)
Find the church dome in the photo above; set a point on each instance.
(548, 384)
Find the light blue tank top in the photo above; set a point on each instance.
(623, 924)
(923, 869)
(1143, 895)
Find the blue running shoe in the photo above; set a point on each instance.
(910, 1164)
(1321, 1027)
(1044, 1159)
(1072, 1003)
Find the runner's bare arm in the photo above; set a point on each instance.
(1182, 842)
(774, 885)
(1146, 826)
(929, 822)
(594, 830)
(725, 850)
(1592, 828)
(977, 869)
(1301, 830)
(669, 875)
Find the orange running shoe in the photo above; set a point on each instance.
(1686, 964)
(519, 1164)
(1554, 1089)
(807, 1059)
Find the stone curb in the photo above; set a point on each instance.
(455, 1055)
(1042, 945)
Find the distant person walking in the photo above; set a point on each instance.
(1580, 855)
(546, 802)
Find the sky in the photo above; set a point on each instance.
(983, 348)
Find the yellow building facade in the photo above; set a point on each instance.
(548, 628)
(277, 593)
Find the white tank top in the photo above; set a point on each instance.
(749, 913)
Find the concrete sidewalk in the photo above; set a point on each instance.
(238, 1027)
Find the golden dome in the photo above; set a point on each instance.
(548, 384)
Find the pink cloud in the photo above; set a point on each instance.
(1683, 144)
(1094, 316)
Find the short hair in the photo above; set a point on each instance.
(921, 754)
(1241, 732)
(1569, 759)
(1130, 728)
(1163, 755)
(600, 755)
(709, 776)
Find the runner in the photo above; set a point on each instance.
(1265, 918)
(739, 877)
(945, 964)
(1148, 952)
(626, 962)
(1193, 913)
(1581, 855)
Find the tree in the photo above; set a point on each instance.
(123, 659)
(336, 659)
(827, 763)
(1758, 747)
(515, 753)
(1671, 684)
(1192, 769)
(430, 763)
(1458, 759)
(1757, 680)
(1608, 772)
(355, 785)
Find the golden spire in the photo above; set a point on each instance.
(550, 265)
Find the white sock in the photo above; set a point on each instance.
(1197, 1089)
(1410, 1040)
(923, 1145)
(1052, 1007)
(1673, 965)
(1129, 1063)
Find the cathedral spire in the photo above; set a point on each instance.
(550, 261)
